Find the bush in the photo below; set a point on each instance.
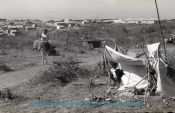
(6, 93)
(5, 68)
(63, 72)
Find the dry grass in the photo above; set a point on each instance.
(170, 48)
(63, 72)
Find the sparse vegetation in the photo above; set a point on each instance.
(5, 68)
(59, 82)
(6, 93)
(63, 72)
(170, 54)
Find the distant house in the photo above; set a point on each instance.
(60, 23)
(50, 22)
(30, 26)
(64, 23)
(132, 21)
(108, 21)
(18, 22)
(146, 21)
(79, 22)
(17, 26)
(119, 21)
(12, 29)
(3, 21)
(3, 33)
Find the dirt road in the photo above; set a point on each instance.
(16, 77)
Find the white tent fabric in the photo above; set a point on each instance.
(153, 55)
(165, 75)
(121, 58)
(165, 80)
(134, 69)
(153, 49)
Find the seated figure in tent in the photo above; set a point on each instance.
(116, 73)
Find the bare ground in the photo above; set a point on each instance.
(78, 90)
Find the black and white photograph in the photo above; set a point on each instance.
(87, 56)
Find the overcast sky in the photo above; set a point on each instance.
(80, 9)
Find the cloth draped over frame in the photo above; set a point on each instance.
(135, 70)
(165, 74)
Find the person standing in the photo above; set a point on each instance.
(44, 46)
(45, 36)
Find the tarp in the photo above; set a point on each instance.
(165, 74)
(153, 50)
(166, 80)
(133, 68)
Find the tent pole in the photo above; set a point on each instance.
(140, 81)
(146, 96)
(105, 60)
(161, 30)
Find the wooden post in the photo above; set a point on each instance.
(163, 39)
(67, 40)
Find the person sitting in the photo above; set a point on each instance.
(116, 73)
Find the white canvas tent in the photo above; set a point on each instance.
(165, 74)
(135, 70)
(166, 79)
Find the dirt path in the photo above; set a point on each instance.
(16, 77)
(90, 60)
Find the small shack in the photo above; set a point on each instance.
(92, 43)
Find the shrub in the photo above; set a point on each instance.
(6, 93)
(5, 68)
(63, 72)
